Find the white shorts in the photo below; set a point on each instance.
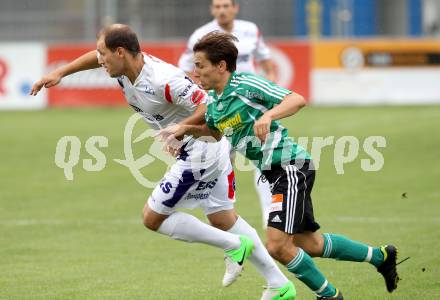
(210, 185)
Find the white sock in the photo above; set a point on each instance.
(185, 227)
(260, 258)
(263, 191)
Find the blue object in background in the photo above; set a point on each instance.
(364, 21)
(414, 17)
(364, 18)
(327, 7)
(25, 88)
(299, 18)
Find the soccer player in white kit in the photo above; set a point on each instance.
(251, 50)
(163, 95)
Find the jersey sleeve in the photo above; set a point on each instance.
(261, 51)
(261, 90)
(182, 90)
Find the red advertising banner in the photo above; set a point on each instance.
(293, 62)
(96, 88)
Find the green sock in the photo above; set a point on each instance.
(304, 268)
(341, 248)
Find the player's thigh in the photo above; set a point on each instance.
(173, 190)
(280, 245)
(221, 195)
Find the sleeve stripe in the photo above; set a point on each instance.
(263, 89)
(267, 87)
(168, 93)
(266, 83)
(278, 88)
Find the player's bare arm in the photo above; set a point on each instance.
(172, 135)
(268, 68)
(84, 62)
(197, 117)
(288, 106)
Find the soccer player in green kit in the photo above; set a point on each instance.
(246, 108)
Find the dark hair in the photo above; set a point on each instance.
(232, 1)
(119, 35)
(219, 46)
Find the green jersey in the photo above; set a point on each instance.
(244, 100)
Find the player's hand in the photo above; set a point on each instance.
(172, 137)
(47, 81)
(262, 127)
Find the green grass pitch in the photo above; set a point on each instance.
(84, 239)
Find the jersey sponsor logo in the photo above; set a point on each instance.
(136, 109)
(206, 185)
(149, 90)
(201, 196)
(197, 96)
(158, 117)
(152, 118)
(230, 125)
(277, 198)
(166, 187)
(254, 95)
(188, 78)
(276, 219)
(277, 203)
(186, 90)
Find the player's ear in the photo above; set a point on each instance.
(120, 51)
(222, 66)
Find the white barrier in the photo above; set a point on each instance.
(21, 64)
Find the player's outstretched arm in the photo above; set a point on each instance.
(269, 69)
(84, 62)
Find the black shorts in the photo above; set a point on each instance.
(291, 209)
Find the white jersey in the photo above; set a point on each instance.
(250, 45)
(164, 96)
(162, 93)
(202, 175)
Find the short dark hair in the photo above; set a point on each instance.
(232, 1)
(219, 46)
(120, 35)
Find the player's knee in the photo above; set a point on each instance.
(220, 224)
(149, 220)
(317, 247)
(314, 246)
(275, 249)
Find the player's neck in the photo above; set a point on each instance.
(134, 67)
(227, 26)
(219, 88)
